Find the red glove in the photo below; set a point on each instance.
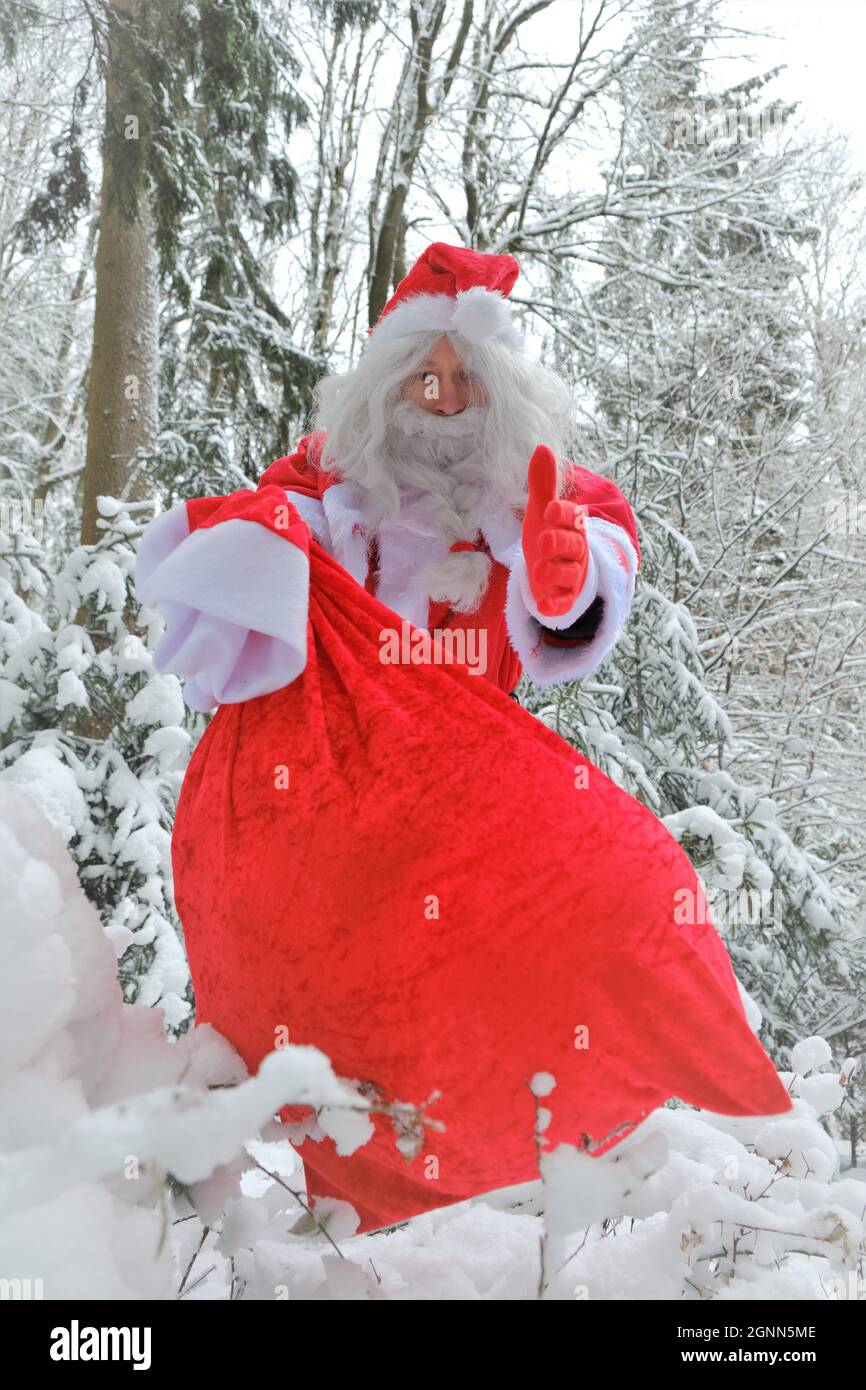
(555, 545)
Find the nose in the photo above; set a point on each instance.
(452, 400)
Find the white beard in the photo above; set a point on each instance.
(439, 454)
(411, 421)
(439, 463)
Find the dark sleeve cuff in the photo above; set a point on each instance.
(581, 631)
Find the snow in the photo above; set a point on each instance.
(170, 746)
(823, 1093)
(810, 1054)
(104, 580)
(80, 1192)
(160, 701)
(53, 786)
(98, 1107)
(71, 691)
(12, 703)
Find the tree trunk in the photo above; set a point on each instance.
(123, 406)
(54, 435)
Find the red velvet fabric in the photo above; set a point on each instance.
(268, 506)
(301, 472)
(442, 898)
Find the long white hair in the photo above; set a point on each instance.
(390, 449)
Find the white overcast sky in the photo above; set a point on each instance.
(823, 43)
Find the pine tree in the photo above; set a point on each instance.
(207, 182)
(99, 740)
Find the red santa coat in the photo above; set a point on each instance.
(612, 532)
(399, 865)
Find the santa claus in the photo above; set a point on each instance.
(378, 853)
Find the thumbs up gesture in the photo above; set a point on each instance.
(555, 545)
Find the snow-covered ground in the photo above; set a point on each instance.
(136, 1167)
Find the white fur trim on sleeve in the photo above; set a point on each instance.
(159, 538)
(312, 512)
(235, 599)
(547, 664)
(577, 609)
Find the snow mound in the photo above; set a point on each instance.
(100, 1113)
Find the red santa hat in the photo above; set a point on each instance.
(451, 288)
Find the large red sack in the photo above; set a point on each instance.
(310, 909)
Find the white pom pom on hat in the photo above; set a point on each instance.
(480, 313)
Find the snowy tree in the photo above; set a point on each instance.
(195, 183)
(195, 108)
(100, 741)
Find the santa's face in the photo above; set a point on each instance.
(444, 386)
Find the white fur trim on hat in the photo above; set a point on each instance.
(480, 314)
(475, 313)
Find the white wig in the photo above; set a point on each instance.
(528, 404)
